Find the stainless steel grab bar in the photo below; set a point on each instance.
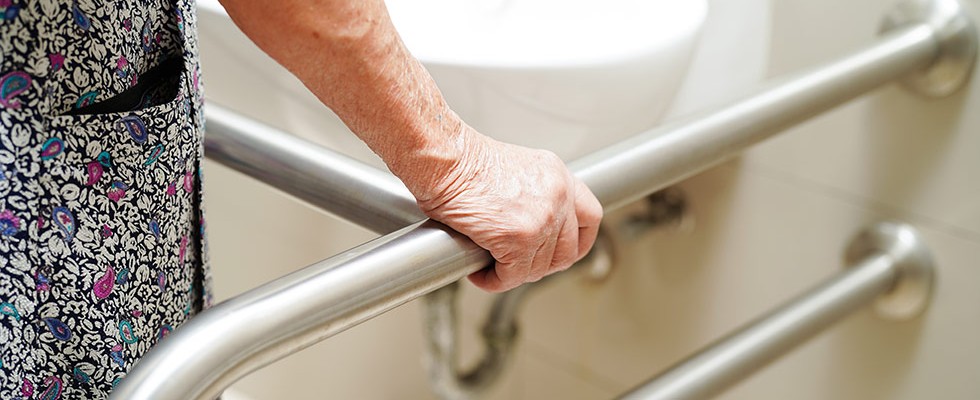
(886, 259)
(226, 342)
(327, 180)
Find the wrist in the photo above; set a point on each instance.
(432, 166)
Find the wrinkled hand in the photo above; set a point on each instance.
(520, 204)
(523, 205)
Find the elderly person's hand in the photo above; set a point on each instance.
(522, 205)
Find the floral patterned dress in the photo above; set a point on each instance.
(101, 230)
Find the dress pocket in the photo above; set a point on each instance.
(130, 141)
(159, 85)
(123, 164)
(115, 232)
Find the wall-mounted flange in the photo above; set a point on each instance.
(665, 208)
(957, 38)
(913, 288)
(599, 263)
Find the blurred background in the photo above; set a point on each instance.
(754, 231)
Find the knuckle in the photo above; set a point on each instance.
(564, 261)
(594, 216)
(527, 230)
(561, 191)
(551, 157)
(589, 214)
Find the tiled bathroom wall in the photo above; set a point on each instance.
(759, 230)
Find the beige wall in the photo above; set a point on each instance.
(765, 227)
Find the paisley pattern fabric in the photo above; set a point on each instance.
(101, 230)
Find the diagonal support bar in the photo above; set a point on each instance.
(224, 343)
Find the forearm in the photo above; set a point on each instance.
(522, 205)
(349, 55)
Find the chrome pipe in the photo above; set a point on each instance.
(898, 258)
(235, 337)
(498, 336)
(226, 342)
(320, 177)
(678, 150)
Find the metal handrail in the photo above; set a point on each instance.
(327, 180)
(886, 259)
(224, 343)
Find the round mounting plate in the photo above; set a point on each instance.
(957, 37)
(913, 287)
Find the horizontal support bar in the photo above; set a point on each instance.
(226, 342)
(720, 365)
(623, 173)
(325, 179)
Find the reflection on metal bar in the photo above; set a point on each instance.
(226, 342)
(681, 149)
(890, 258)
(325, 179)
(373, 200)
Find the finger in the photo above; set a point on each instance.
(487, 279)
(589, 214)
(566, 249)
(541, 262)
(502, 276)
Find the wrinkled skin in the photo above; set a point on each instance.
(523, 205)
